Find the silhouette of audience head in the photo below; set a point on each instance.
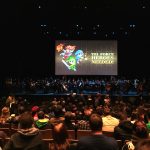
(26, 120)
(69, 116)
(10, 99)
(60, 136)
(5, 111)
(96, 122)
(107, 110)
(21, 109)
(5, 114)
(35, 109)
(41, 114)
(140, 129)
(58, 111)
(88, 111)
(143, 145)
(60, 133)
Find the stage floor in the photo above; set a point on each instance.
(84, 92)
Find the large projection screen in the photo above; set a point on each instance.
(86, 57)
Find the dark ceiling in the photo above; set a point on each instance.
(26, 50)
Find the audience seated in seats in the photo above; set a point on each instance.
(5, 114)
(123, 131)
(134, 117)
(98, 100)
(10, 100)
(97, 141)
(99, 110)
(42, 122)
(27, 137)
(87, 112)
(15, 117)
(143, 145)
(60, 136)
(109, 122)
(69, 116)
(35, 110)
(3, 135)
(83, 124)
(107, 100)
(90, 100)
(51, 108)
(148, 123)
(74, 107)
(58, 115)
(45, 107)
(140, 131)
(11, 103)
(141, 114)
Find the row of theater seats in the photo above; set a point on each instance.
(47, 133)
(47, 142)
(9, 129)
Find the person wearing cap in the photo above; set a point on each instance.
(35, 110)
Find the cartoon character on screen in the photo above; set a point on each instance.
(70, 63)
(79, 56)
(59, 47)
(67, 51)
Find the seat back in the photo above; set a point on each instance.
(47, 142)
(46, 134)
(7, 131)
(3, 141)
(81, 133)
(109, 134)
(5, 125)
(13, 130)
(120, 144)
(71, 134)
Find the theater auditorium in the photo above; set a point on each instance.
(74, 75)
